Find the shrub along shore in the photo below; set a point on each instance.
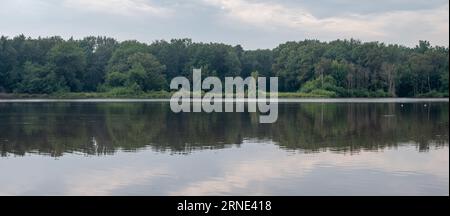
(164, 95)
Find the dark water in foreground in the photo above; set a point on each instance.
(105, 148)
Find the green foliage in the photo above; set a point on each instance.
(38, 79)
(98, 51)
(141, 70)
(116, 79)
(434, 94)
(132, 89)
(119, 59)
(363, 69)
(257, 60)
(444, 81)
(309, 68)
(68, 62)
(323, 93)
(325, 86)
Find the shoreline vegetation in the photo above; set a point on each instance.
(102, 67)
(162, 95)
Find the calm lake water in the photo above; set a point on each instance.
(323, 147)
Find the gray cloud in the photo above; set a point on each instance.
(329, 8)
(252, 23)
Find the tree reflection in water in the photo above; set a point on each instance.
(103, 128)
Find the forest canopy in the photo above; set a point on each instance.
(340, 68)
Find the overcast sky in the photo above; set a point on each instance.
(251, 23)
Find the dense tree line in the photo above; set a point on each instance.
(341, 68)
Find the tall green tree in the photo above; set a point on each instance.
(38, 79)
(68, 62)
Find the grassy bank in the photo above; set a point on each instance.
(161, 95)
(87, 95)
(146, 95)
